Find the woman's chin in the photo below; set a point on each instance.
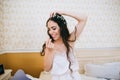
(54, 39)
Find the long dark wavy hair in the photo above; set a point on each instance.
(64, 32)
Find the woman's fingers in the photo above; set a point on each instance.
(52, 14)
(49, 44)
(46, 42)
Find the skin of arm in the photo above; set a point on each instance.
(81, 18)
(48, 58)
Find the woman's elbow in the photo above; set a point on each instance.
(47, 69)
(85, 18)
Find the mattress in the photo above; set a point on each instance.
(47, 76)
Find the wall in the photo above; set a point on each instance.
(24, 23)
(1, 26)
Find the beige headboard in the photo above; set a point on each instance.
(97, 56)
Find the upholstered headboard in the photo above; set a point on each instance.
(96, 56)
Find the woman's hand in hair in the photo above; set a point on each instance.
(53, 13)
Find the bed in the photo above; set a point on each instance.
(98, 58)
(47, 76)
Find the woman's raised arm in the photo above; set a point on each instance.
(81, 18)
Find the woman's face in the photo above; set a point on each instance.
(54, 30)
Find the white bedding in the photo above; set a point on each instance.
(47, 76)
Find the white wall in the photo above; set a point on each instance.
(24, 23)
(1, 26)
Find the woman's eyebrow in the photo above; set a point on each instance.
(53, 27)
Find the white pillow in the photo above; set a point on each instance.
(108, 70)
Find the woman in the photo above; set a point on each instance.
(58, 51)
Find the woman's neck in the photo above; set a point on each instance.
(59, 41)
(60, 46)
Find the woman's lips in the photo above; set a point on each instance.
(53, 36)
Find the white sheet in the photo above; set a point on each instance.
(47, 76)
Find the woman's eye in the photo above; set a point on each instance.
(54, 28)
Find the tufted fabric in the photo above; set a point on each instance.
(108, 70)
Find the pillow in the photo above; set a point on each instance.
(20, 75)
(108, 70)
